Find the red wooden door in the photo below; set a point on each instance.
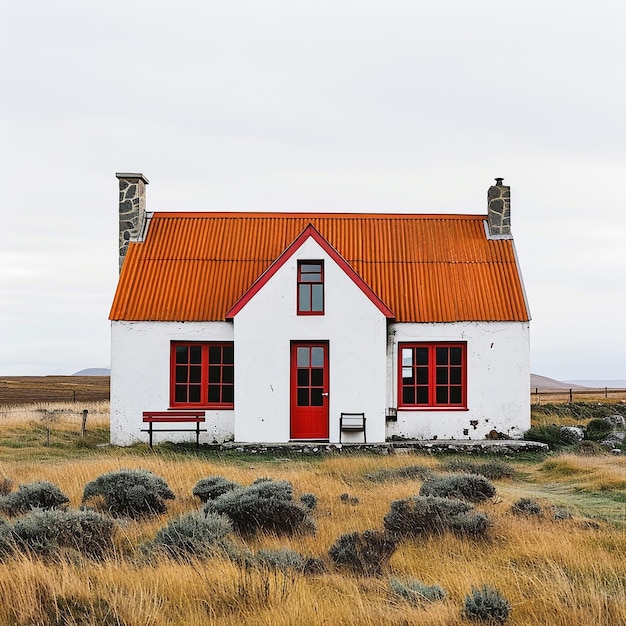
(309, 390)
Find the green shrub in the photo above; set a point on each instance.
(266, 505)
(364, 553)
(416, 592)
(346, 498)
(423, 515)
(486, 605)
(598, 429)
(45, 532)
(132, 493)
(526, 506)
(553, 435)
(589, 448)
(493, 470)
(469, 487)
(37, 495)
(193, 535)
(213, 487)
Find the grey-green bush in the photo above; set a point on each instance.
(474, 524)
(45, 532)
(486, 605)
(470, 487)
(285, 559)
(132, 493)
(366, 553)
(416, 592)
(493, 470)
(309, 500)
(37, 495)
(526, 506)
(7, 541)
(212, 487)
(423, 515)
(193, 535)
(266, 505)
(410, 472)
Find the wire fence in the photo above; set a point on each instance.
(543, 396)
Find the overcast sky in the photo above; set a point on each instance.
(325, 105)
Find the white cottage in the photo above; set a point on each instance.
(276, 324)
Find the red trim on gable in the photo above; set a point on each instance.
(309, 232)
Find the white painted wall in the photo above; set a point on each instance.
(140, 377)
(357, 334)
(498, 381)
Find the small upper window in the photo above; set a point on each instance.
(310, 288)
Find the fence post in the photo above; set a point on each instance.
(571, 397)
(84, 424)
(606, 392)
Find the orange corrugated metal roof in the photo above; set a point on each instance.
(425, 268)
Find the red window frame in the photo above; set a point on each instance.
(432, 375)
(202, 374)
(310, 289)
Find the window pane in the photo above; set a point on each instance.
(195, 374)
(303, 378)
(442, 356)
(195, 354)
(317, 377)
(442, 375)
(456, 396)
(181, 354)
(305, 297)
(408, 395)
(422, 375)
(422, 395)
(317, 357)
(215, 354)
(214, 393)
(194, 393)
(421, 356)
(228, 394)
(228, 354)
(228, 374)
(303, 357)
(455, 356)
(442, 395)
(311, 267)
(318, 298)
(407, 356)
(316, 397)
(214, 373)
(181, 374)
(303, 397)
(311, 278)
(180, 394)
(407, 375)
(455, 375)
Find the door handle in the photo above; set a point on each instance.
(325, 393)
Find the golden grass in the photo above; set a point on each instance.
(555, 573)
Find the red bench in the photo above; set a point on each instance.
(174, 417)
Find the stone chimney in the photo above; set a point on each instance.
(132, 210)
(499, 209)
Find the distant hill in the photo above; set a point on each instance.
(543, 382)
(94, 371)
(616, 383)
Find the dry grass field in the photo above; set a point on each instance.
(28, 389)
(568, 572)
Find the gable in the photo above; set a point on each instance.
(423, 268)
(309, 233)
